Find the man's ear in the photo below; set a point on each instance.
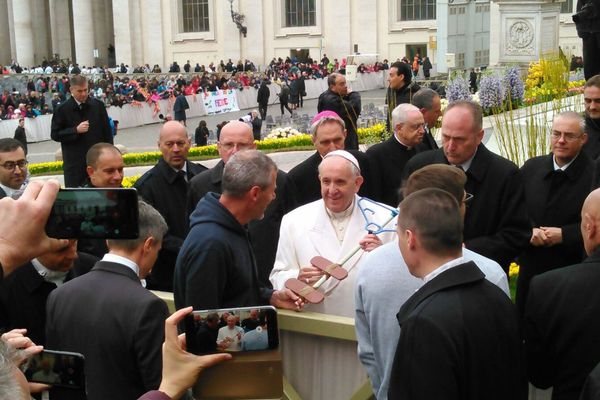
(89, 170)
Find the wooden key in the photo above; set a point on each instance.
(304, 290)
(335, 270)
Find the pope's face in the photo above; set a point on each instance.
(339, 183)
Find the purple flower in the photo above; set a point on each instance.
(491, 92)
(514, 85)
(458, 89)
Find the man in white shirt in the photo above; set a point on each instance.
(230, 336)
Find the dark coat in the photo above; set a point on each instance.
(562, 328)
(264, 233)
(459, 340)
(116, 324)
(393, 98)
(201, 136)
(496, 224)
(21, 137)
(305, 179)
(167, 191)
(24, 293)
(554, 198)
(387, 160)
(428, 142)
(256, 127)
(592, 146)
(348, 108)
(216, 266)
(179, 107)
(74, 147)
(263, 95)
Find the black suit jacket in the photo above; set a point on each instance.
(562, 328)
(74, 146)
(116, 324)
(167, 191)
(459, 340)
(387, 160)
(264, 233)
(496, 224)
(554, 198)
(23, 296)
(305, 178)
(592, 146)
(348, 108)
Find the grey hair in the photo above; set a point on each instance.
(573, 116)
(331, 79)
(9, 387)
(151, 224)
(244, 170)
(424, 98)
(400, 113)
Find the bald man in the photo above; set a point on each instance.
(165, 187)
(562, 328)
(264, 233)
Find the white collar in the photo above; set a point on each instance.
(109, 257)
(9, 191)
(56, 277)
(400, 141)
(442, 268)
(564, 167)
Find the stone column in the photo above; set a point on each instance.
(153, 33)
(83, 32)
(525, 30)
(122, 28)
(22, 32)
(5, 33)
(60, 26)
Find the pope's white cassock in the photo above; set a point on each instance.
(318, 367)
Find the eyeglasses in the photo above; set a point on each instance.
(11, 165)
(414, 127)
(569, 137)
(468, 198)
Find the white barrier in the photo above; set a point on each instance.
(130, 115)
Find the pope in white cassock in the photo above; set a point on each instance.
(317, 367)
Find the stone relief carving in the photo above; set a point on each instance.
(519, 40)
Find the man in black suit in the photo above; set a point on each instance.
(401, 88)
(387, 159)
(262, 98)
(343, 102)
(429, 102)
(591, 98)
(165, 187)
(556, 186)
(109, 317)
(13, 167)
(459, 335)
(496, 224)
(264, 233)
(78, 124)
(561, 325)
(20, 134)
(328, 134)
(181, 104)
(23, 295)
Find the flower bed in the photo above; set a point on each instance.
(372, 134)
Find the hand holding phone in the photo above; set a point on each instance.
(57, 368)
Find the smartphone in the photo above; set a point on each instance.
(232, 330)
(56, 368)
(89, 213)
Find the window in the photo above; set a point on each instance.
(567, 7)
(417, 10)
(195, 16)
(300, 13)
(460, 60)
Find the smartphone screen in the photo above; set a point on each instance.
(56, 368)
(89, 213)
(232, 330)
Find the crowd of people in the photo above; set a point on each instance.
(244, 233)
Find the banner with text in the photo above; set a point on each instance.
(221, 101)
